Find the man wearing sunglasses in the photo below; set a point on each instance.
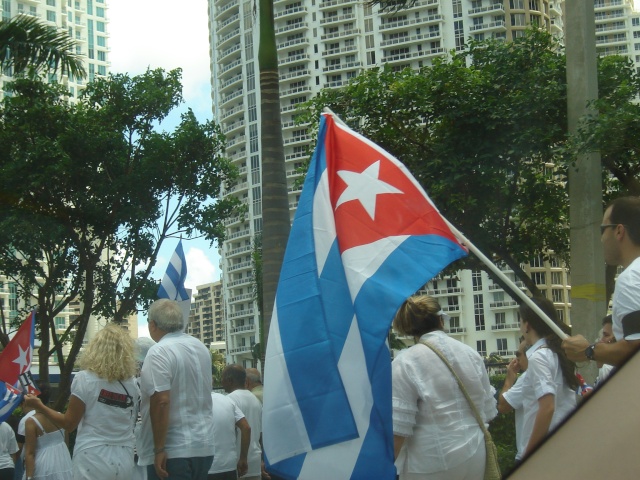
(620, 239)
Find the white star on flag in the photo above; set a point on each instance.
(365, 187)
(23, 359)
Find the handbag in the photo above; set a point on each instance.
(492, 467)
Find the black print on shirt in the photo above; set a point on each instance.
(114, 399)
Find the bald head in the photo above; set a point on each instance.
(253, 378)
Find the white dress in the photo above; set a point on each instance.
(53, 461)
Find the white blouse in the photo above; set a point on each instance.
(430, 410)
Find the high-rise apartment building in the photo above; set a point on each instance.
(323, 44)
(206, 319)
(86, 22)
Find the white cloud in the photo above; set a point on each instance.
(163, 33)
(200, 269)
(143, 327)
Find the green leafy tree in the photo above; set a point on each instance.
(480, 131)
(27, 43)
(89, 192)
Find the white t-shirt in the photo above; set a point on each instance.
(430, 410)
(181, 364)
(626, 298)
(8, 445)
(225, 416)
(514, 397)
(544, 377)
(252, 409)
(110, 411)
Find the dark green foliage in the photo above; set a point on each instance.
(89, 191)
(27, 43)
(503, 432)
(479, 131)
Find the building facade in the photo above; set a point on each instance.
(86, 22)
(206, 318)
(322, 44)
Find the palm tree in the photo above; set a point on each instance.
(275, 200)
(26, 43)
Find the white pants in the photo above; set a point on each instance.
(472, 469)
(108, 462)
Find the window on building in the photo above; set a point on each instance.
(518, 20)
(454, 324)
(100, 12)
(476, 279)
(51, 3)
(501, 344)
(478, 311)
(556, 278)
(557, 295)
(519, 4)
(501, 318)
(539, 278)
(51, 16)
(481, 347)
(100, 27)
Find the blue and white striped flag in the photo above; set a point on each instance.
(365, 237)
(10, 399)
(172, 286)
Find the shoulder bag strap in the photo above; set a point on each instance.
(460, 384)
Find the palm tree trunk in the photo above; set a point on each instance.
(275, 201)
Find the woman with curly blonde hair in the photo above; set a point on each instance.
(102, 405)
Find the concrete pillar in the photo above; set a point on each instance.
(585, 180)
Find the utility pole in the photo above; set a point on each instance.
(585, 179)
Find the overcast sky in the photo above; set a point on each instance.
(161, 33)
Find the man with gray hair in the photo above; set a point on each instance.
(254, 382)
(175, 391)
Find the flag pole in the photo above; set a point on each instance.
(557, 330)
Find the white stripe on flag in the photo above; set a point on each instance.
(281, 396)
(324, 227)
(339, 460)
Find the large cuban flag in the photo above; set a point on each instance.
(365, 237)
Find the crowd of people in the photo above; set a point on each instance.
(148, 411)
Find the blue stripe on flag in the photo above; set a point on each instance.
(172, 286)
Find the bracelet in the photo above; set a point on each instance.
(158, 450)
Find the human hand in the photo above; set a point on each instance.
(160, 464)
(512, 370)
(243, 467)
(574, 348)
(265, 474)
(31, 401)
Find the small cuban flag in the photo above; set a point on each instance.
(172, 286)
(365, 237)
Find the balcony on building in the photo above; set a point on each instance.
(337, 18)
(297, 74)
(451, 309)
(326, 4)
(293, 59)
(605, 5)
(233, 127)
(250, 327)
(506, 326)
(292, 27)
(240, 350)
(287, 92)
(296, 42)
(334, 52)
(351, 32)
(228, 115)
(223, 26)
(409, 39)
(341, 66)
(490, 9)
(609, 15)
(241, 298)
(234, 141)
(484, 27)
(229, 68)
(224, 40)
(226, 9)
(224, 55)
(503, 304)
(290, 12)
(456, 331)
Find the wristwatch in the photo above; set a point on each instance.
(590, 351)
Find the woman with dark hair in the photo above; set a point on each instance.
(550, 384)
(435, 432)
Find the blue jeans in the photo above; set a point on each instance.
(195, 468)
